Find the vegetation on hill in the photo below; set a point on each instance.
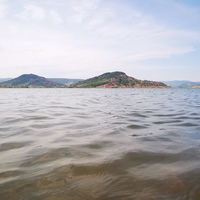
(117, 80)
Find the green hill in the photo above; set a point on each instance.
(117, 80)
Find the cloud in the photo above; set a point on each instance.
(37, 13)
(32, 12)
(83, 9)
(54, 16)
(88, 35)
(3, 8)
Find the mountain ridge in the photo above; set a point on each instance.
(181, 83)
(107, 80)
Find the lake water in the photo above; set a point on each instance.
(102, 144)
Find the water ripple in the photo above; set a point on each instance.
(75, 144)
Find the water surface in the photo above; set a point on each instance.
(103, 144)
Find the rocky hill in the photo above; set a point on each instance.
(117, 80)
(29, 80)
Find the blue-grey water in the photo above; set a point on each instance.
(99, 144)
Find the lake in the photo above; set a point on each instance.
(100, 144)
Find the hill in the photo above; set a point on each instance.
(29, 80)
(117, 80)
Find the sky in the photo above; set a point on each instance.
(147, 39)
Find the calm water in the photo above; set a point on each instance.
(103, 144)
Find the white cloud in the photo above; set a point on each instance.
(54, 16)
(32, 12)
(3, 8)
(38, 13)
(83, 9)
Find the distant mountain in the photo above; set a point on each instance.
(117, 80)
(64, 81)
(181, 84)
(195, 86)
(4, 79)
(29, 80)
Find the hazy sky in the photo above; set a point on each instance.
(147, 39)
